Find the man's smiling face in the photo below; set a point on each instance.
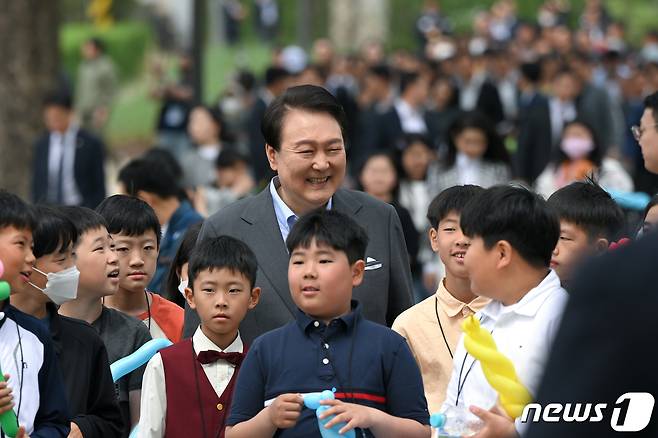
(311, 161)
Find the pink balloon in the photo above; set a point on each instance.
(2, 269)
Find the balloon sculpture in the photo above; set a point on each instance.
(497, 368)
(8, 420)
(312, 401)
(138, 358)
(135, 360)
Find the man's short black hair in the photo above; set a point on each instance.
(144, 174)
(129, 215)
(223, 252)
(586, 205)
(309, 98)
(14, 212)
(275, 74)
(531, 71)
(59, 99)
(382, 71)
(651, 102)
(331, 228)
(407, 79)
(516, 215)
(451, 200)
(53, 231)
(85, 219)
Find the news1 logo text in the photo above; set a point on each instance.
(630, 413)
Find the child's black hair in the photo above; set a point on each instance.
(129, 215)
(84, 219)
(516, 215)
(182, 256)
(53, 231)
(14, 212)
(451, 200)
(331, 228)
(586, 205)
(148, 174)
(495, 150)
(223, 252)
(229, 158)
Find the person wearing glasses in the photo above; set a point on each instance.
(646, 133)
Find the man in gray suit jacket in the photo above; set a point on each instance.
(303, 130)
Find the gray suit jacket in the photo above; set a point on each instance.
(386, 288)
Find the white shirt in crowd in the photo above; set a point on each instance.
(61, 152)
(523, 332)
(411, 119)
(153, 405)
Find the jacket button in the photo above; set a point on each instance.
(220, 406)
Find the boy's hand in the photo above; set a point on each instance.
(352, 414)
(5, 396)
(21, 433)
(285, 410)
(496, 424)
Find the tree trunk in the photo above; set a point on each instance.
(28, 70)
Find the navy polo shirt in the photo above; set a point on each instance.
(307, 355)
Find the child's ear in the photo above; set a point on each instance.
(358, 269)
(254, 298)
(433, 234)
(189, 297)
(601, 245)
(503, 251)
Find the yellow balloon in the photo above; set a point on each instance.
(498, 369)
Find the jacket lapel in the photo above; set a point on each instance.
(273, 260)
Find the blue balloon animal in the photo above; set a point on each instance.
(312, 401)
(135, 360)
(138, 358)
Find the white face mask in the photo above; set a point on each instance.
(62, 286)
(181, 286)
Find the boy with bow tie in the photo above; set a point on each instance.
(188, 387)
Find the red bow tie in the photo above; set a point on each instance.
(211, 356)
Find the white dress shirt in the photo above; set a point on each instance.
(61, 152)
(153, 405)
(523, 332)
(468, 169)
(411, 119)
(560, 114)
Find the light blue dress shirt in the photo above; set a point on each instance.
(285, 217)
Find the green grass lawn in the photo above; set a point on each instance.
(134, 114)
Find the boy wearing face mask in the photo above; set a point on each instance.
(80, 351)
(97, 261)
(580, 155)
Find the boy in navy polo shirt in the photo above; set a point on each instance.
(330, 345)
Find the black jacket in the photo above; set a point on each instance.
(88, 168)
(87, 378)
(535, 142)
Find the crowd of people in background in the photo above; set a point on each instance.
(365, 175)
